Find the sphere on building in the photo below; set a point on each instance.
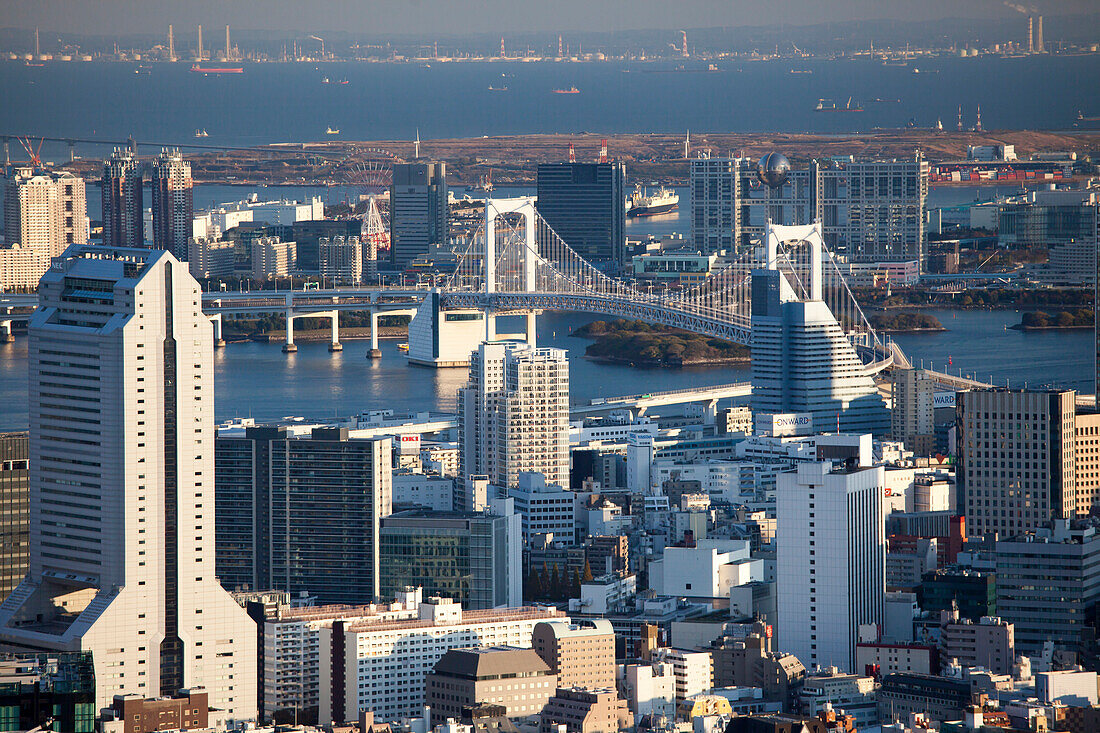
(773, 169)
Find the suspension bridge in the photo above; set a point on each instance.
(517, 263)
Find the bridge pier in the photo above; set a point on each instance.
(335, 345)
(216, 320)
(374, 352)
(6, 336)
(289, 347)
(531, 322)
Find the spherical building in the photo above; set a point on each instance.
(773, 169)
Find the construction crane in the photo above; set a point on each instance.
(32, 152)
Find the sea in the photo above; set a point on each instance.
(273, 102)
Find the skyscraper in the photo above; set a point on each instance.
(514, 414)
(803, 363)
(911, 419)
(123, 209)
(121, 484)
(585, 205)
(419, 213)
(831, 560)
(302, 514)
(173, 203)
(45, 211)
(1016, 466)
(870, 210)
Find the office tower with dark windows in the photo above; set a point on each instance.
(302, 513)
(122, 484)
(419, 214)
(476, 559)
(123, 212)
(173, 203)
(1016, 467)
(585, 205)
(14, 509)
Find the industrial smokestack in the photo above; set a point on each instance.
(1030, 37)
(199, 54)
(1039, 34)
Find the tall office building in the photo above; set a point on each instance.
(803, 363)
(475, 559)
(44, 211)
(173, 203)
(1016, 459)
(419, 212)
(513, 414)
(302, 513)
(831, 560)
(585, 204)
(123, 209)
(871, 210)
(121, 485)
(14, 509)
(912, 417)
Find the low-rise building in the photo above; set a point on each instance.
(273, 258)
(650, 689)
(586, 711)
(581, 653)
(427, 490)
(878, 659)
(852, 693)
(692, 670)
(209, 257)
(939, 698)
(988, 643)
(188, 710)
(514, 678)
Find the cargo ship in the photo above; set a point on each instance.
(217, 69)
(662, 202)
(570, 90)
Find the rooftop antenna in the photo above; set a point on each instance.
(603, 151)
(572, 154)
(687, 145)
(416, 148)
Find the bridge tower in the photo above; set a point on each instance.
(528, 255)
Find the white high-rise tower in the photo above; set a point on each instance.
(831, 560)
(514, 414)
(122, 484)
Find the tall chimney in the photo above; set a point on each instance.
(1039, 34)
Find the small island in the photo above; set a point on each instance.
(643, 344)
(1042, 321)
(905, 322)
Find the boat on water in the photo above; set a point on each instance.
(802, 71)
(143, 70)
(497, 89)
(828, 105)
(570, 90)
(199, 69)
(332, 131)
(326, 80)
(34, 63)
(202, 133)
(643, 204)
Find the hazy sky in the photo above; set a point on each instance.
(116, 17)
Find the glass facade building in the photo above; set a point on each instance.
(472, 558)
(301, 513)
(585, 204)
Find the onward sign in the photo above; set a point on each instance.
(785, 423)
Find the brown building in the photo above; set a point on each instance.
(586, 711)
(750, 662)
(14, 510)
(516, 679)
(581, 653)
(189, 710)
(1087, 451)
(608, 554)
